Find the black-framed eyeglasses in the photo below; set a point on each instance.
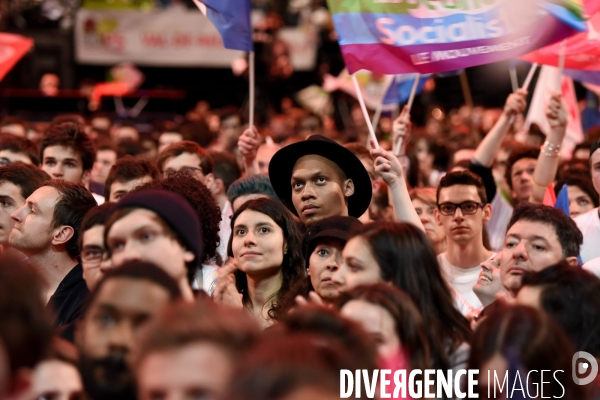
(467, 207)
(190, 171)
(93, 254)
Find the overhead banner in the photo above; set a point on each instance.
(172, 37)
(427, 36)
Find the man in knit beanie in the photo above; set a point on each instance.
(158, 227)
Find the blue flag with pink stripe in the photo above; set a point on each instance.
(232, 20)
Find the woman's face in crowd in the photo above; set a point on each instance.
(359, 266)
(424, 156)
(579, 201)
(324, 262)
(376, 321)
(258, 243)
(434, 232)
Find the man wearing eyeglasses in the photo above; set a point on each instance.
(186, 157)
(94, 258)
(462, 209)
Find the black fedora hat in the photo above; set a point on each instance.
(282, 165)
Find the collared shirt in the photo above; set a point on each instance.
(67, 301)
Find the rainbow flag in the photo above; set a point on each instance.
(401, 36)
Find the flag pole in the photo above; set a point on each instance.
(529, 76)
(413, 91)
(377, 115)
(561, 63)
(411, 98)
(364, 111)
(513, 78)
(251, 106)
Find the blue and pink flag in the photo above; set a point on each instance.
(232, 20)
(398, 37)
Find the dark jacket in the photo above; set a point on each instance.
(67, 301)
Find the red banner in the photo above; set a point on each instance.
(582, 51)
(12, 48)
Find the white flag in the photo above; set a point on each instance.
(546, 84)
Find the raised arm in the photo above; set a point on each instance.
(390, 170)
(547, 164)
(488, 148)
(248, 145)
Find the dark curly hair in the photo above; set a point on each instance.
(198, 195)
(293, 261)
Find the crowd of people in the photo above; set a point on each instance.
(211, 260)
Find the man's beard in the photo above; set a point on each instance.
(107, 378)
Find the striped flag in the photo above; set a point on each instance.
(398, 37)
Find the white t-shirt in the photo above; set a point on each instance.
(589, 225)
(461, 279)
(593, 266)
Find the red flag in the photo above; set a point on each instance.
(582, 51)
(12, 48)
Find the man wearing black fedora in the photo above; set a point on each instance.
(318, 178)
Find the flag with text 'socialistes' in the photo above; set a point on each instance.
(427, 36)
(232, 20)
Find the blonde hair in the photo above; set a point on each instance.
(426, 195)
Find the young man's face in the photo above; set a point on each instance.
(461, 227)
(32, 231)
(10, 200)
(595, 169)
(64, 163)
(119, 189)
(521, 175)
(197, 370)
(107, 334)
(319, 189)
(141, 235)
(92, 255)
(529, 247)
(188, 163)
(104, 160)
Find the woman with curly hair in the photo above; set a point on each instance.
(265, 254)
